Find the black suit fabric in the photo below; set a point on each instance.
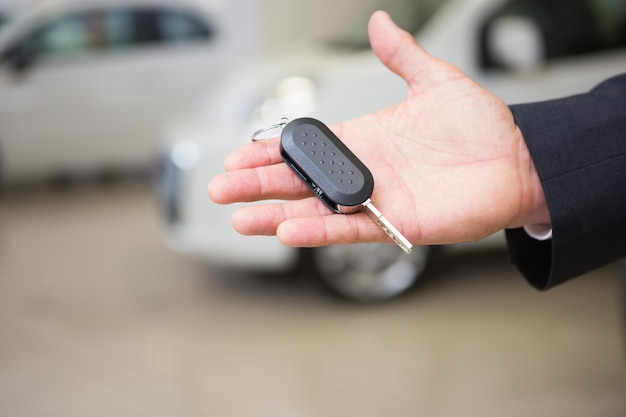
(578, 145)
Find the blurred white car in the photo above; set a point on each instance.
(522, 50)
(84, 84)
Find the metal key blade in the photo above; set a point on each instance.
(386, 225)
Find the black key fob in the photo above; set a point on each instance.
(326, 165)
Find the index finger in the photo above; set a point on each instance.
(254, 155)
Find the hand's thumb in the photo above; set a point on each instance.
(397, 49)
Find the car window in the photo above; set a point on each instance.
(97, 30)
(179, 25)
(119, 28)
(564, 28)
(68, 35)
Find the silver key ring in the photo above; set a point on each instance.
(280, 125)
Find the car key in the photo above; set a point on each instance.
(334, 174)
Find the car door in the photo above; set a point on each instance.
(94, 84)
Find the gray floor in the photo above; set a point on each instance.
(97, 318)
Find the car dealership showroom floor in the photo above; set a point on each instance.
(98, 318)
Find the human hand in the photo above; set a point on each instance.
(449, 164)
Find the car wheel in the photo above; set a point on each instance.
(369, 271)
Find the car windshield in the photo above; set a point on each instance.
(347, 26)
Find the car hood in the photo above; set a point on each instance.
(331, 70)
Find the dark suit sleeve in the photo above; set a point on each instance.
(578, 145)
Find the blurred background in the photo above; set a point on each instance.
(124, 291)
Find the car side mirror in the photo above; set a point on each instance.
(516, 43)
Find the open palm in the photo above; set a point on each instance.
(449, 163)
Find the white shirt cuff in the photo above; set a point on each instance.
(539, 231)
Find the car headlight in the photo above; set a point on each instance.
(291, 97)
